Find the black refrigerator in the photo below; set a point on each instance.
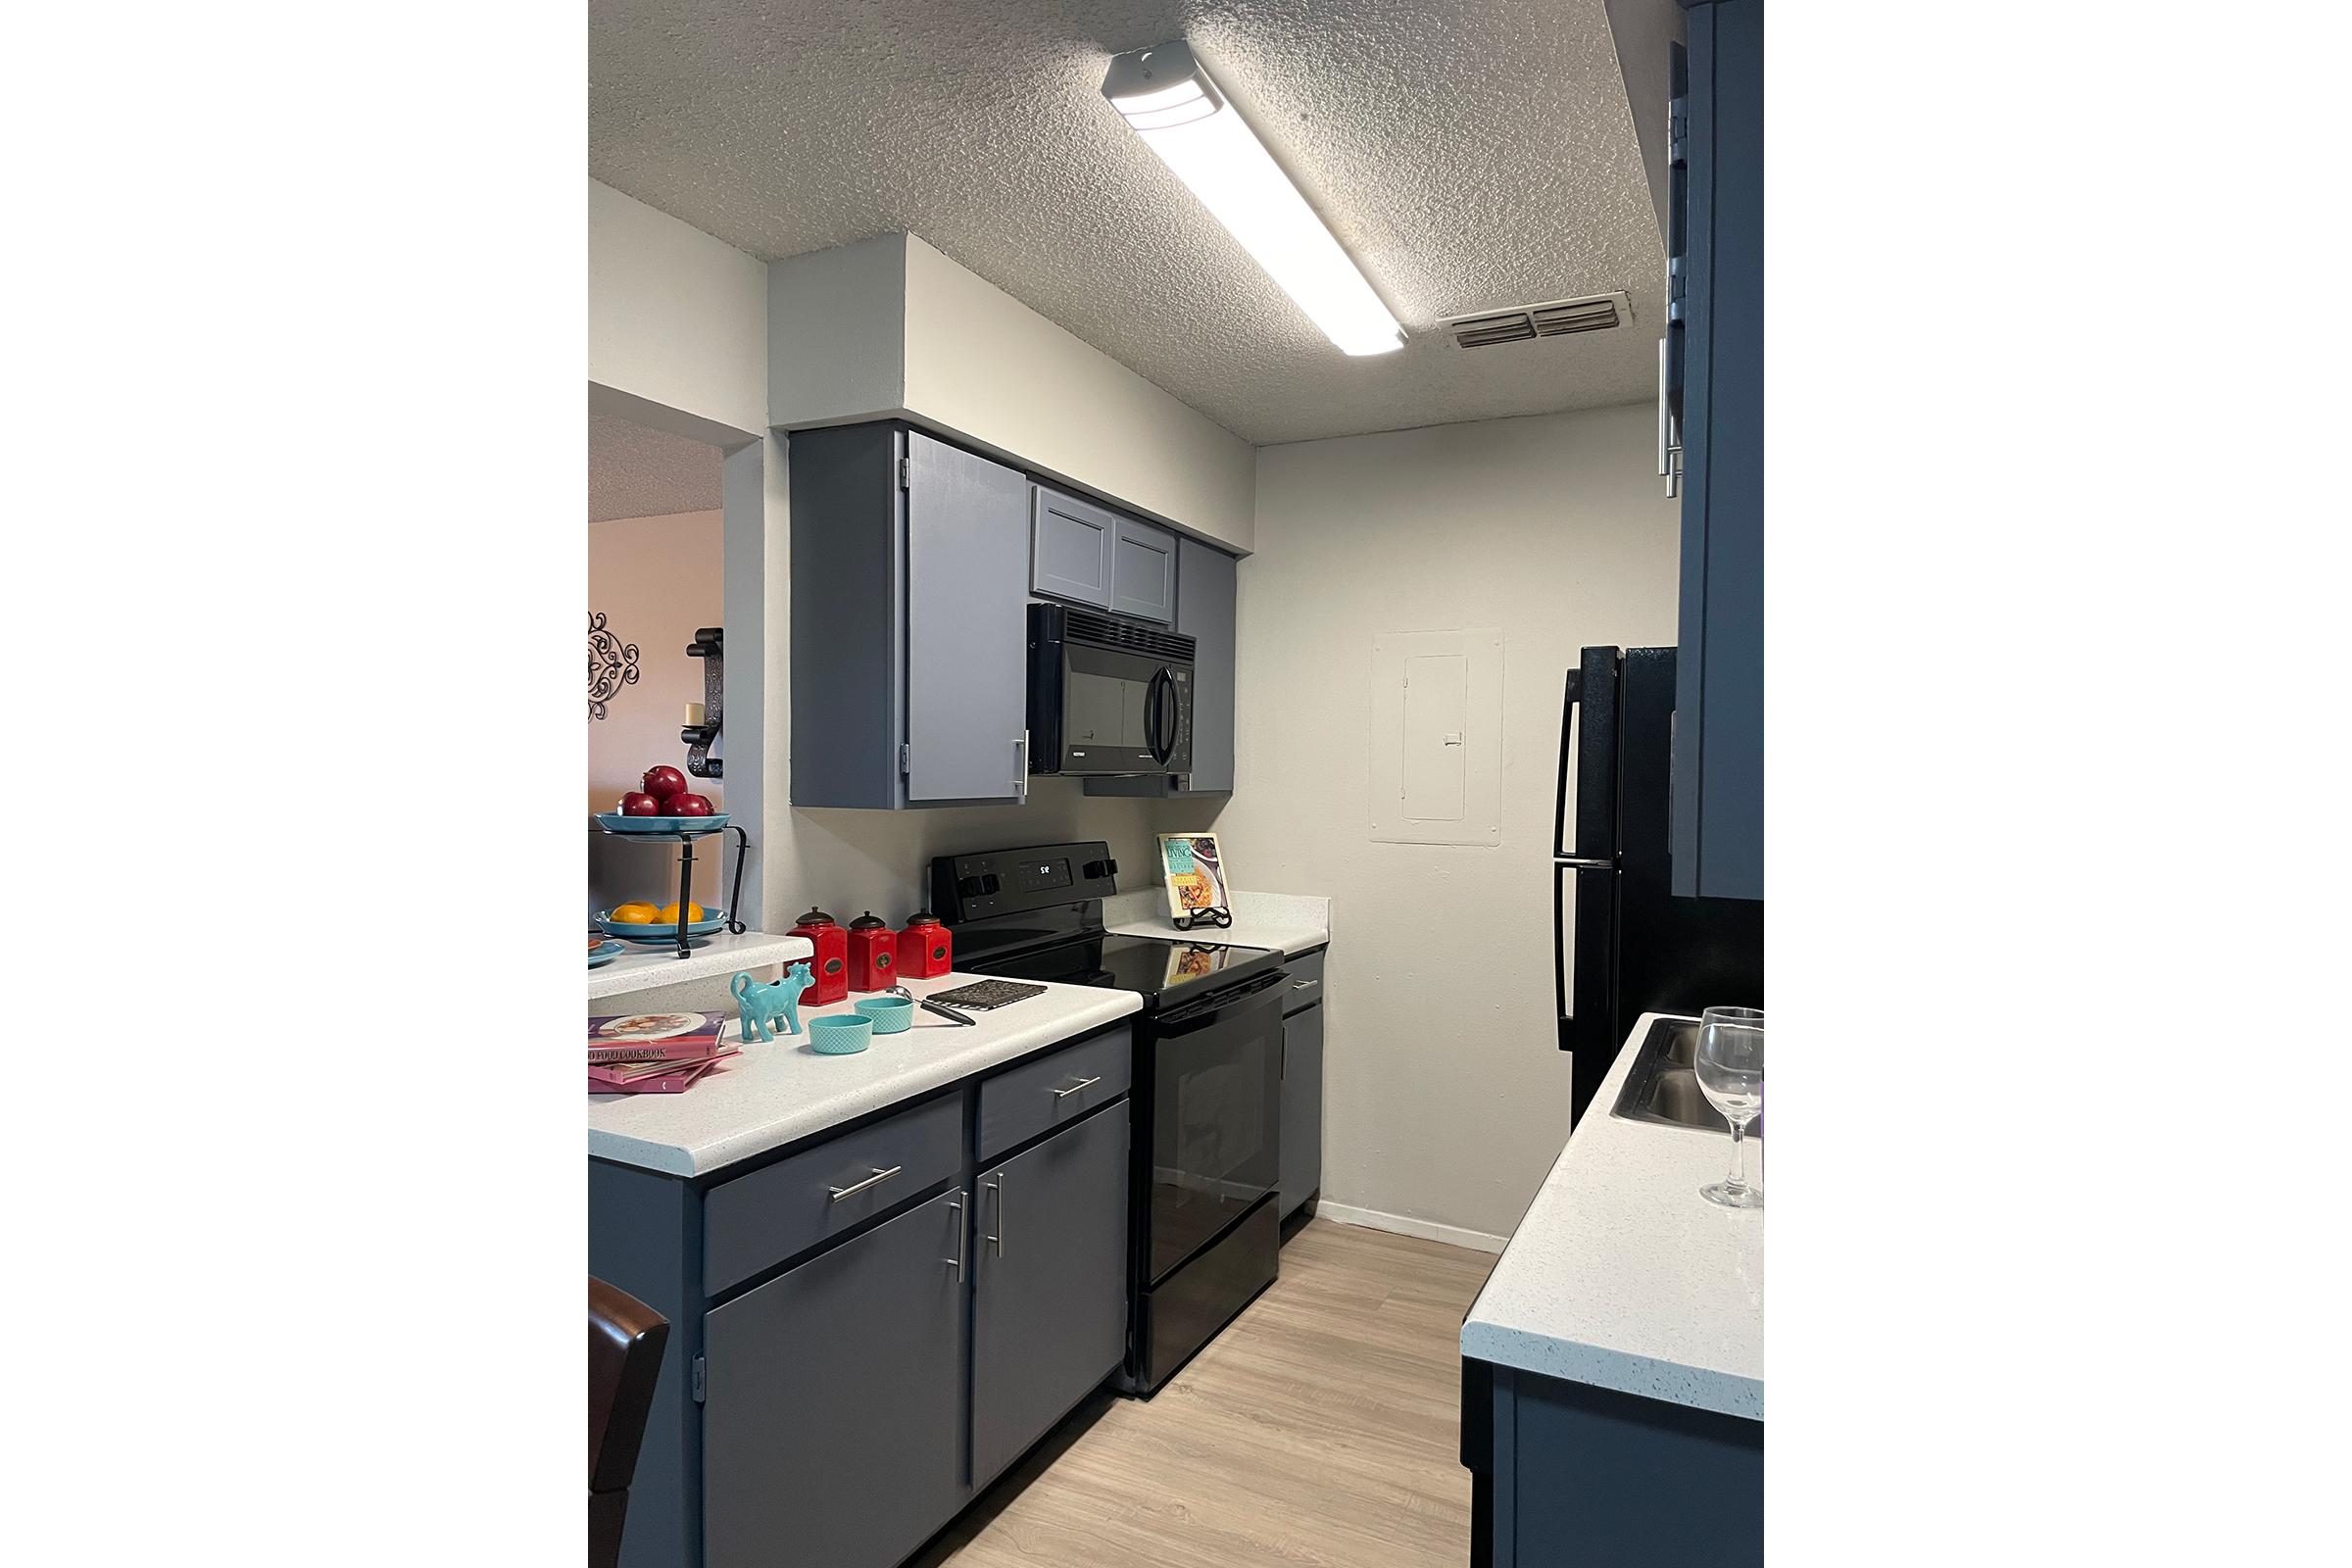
(1624, 945)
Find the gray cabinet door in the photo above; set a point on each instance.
(1143, 572)
(1070, 546)
(833, 1417)
(1205, 612)
(1049, 1292)
(1302, 1108)
(968, 629)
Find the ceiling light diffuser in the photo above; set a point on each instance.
(1169, 98)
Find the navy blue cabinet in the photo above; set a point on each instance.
(1716, 363)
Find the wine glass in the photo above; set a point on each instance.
(1730, 1074)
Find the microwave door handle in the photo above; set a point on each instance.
(1160, 751)
(1167, 731)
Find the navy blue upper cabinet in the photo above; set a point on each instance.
(1716, 251)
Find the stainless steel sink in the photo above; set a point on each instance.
(1661, 1087)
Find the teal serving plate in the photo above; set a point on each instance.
(614, 822)
(839, 1036)
(712, 923)
(891, 1015)
(605, 953)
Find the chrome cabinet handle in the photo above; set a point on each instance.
(1083, 1082)
(955, 1206)
(996, 1242)
(1020, 779)
(1303, 985)
(875, 1180)
(1669, 449)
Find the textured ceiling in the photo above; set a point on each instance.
(1469, 154)
(637, 473)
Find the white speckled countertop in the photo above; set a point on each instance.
(1291, 923)
(775, 1092)
(642, 968)
(1621, 1276)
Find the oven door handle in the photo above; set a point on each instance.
(1201, 1014)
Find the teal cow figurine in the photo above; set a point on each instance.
(761, 1005)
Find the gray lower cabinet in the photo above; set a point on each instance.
(1070, 546)
(1143, 572)
(1049, 1285)
(1206, 594)
(1301, 1164)
(833, 1426)
(910, 621)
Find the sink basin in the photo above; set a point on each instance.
(1661, 1087)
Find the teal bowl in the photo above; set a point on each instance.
(839, 1036)
(891, 1015)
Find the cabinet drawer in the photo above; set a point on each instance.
(760, 1221)
(1304, 988)
(1020, 1104)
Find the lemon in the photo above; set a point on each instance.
(634, 914)
(669, 913)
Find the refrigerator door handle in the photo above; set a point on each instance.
(1563, 826)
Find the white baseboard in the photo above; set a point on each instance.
(1428, 1230)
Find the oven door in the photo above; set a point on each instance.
(1216, 1108)
(1123, 712)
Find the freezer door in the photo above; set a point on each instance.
(1586, 805)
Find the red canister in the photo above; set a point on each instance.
(924, 947)
(874, 953)
(831, 965)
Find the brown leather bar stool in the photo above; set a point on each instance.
(625, 1338)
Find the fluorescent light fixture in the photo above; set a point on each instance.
(1167, 96)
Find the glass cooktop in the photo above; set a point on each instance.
(1157, 966)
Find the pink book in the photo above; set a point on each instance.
(655, 1036)
(610, 1080)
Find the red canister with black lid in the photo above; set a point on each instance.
(874, 953)
(925, 947)
(831, 965)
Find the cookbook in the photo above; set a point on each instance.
(1194, 868)
(655, 1036)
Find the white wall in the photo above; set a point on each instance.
(981, 361)
(677, 318)
(1446, 1096)
(888, 326)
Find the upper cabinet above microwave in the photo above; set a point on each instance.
(1089, 555)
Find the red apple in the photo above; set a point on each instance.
(687, 806)
(636, 805)
(662, 782)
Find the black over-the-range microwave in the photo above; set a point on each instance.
(1107, 696)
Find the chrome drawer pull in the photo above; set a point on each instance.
(1083, 1082)
(1303, 985)
(875, 1180)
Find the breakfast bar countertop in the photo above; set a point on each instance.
(777, 1093)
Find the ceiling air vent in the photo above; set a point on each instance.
(1595, 312)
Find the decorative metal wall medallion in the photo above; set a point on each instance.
(611, 665)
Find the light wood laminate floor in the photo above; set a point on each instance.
(1321, 1428)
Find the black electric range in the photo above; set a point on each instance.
(1205, 1106)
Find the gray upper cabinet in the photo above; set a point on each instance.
(1049, 1285)
(1143, 572)
(833, 1423)
(910, 631)
(1205, 601)
(1070, 545)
